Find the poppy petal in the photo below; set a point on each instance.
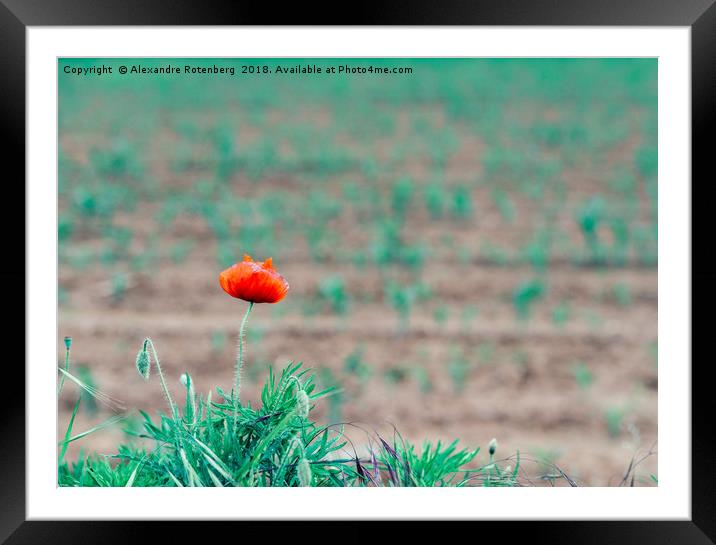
(254, 281)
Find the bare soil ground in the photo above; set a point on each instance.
(520, 388)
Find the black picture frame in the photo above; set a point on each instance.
(16, 15)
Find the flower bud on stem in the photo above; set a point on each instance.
(68, 345)
(492, 447)
(142, 354)
(302, 404)
(186, 381)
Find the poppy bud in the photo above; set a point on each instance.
(68, 342)
(190, 407)
(188, 383)
(302, 404)
(492, 445)
(304, 472)
(143, 364)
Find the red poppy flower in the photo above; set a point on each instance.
(254, 281)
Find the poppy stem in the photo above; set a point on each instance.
(240, 358)
(68, 344)
(172, 407)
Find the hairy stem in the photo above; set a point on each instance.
(172, 407)
(240, 357)
(67, 368)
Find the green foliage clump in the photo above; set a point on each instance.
(435, 200)
(403, 297)
(582, 375)
(227, 443)
(462, 207)
(211, 444)
(525, 295)
(332, 290)
(459, 369)
(561, 313)
(590, 217)
(434, 466)
(422, 377)
(354, 364)
(440, 314)
(118, 161)
(401, 196)
(613, 418)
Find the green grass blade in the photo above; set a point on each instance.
(107, 423)
(69, 430)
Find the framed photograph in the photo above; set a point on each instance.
(407, 269)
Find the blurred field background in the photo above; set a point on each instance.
(471, 248)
